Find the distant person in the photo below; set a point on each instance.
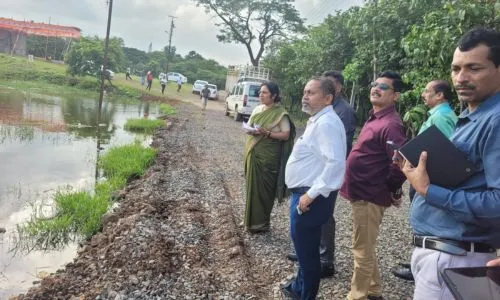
(163, 81)
(436, 95)
(204, 94)
(179, 84)
(127, 74)
(143, 79)
(266, 152)
(149, 78)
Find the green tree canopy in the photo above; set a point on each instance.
(254, 22)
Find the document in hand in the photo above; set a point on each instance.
(446, 165)
(248, 128)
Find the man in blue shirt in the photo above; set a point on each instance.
(460, 227)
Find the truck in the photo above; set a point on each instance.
(244, 72)
(242, 89)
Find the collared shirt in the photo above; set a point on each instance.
(348, 117)
(470, 212)
(370, 172)
(318, 157)
(443, 117)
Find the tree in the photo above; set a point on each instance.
(87, 55)
(254, 21)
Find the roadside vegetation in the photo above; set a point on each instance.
(78, 214)
(415, 38)
(143, 125)
(167, 110)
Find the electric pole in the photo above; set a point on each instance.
(103, 75)
(169, 54)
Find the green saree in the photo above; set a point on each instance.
(265, 161)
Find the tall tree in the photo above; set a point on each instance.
(254, 22)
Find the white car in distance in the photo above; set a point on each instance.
(214, 94)
(198, 86)
(173, 76)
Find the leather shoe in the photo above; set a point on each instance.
(327, 271)
(371, 297)
(287, 293)
(292, 257)
(403, 273)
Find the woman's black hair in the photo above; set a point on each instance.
(273, 89)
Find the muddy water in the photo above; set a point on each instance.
(47, 143)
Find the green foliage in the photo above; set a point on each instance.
(415, 38)
(143, 125)
(41, 46)
(129, 161)
(254, 21)
(167, 110)
(87, 55)
(78, 213)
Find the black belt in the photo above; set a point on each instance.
(299, 190)
(451, 246)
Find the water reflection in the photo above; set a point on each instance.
(46, 143)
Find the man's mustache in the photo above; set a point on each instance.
(465, 87)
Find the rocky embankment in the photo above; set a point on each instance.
(176, 233)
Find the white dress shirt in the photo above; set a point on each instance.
(318, 156)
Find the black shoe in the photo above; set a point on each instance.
(327, 271)
(403, 273)
(287, 293)
(371, 297)
(292, 256)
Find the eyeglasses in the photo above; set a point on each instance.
(382, 86)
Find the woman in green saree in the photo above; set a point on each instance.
(266, 152)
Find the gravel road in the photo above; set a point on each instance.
(176, 233)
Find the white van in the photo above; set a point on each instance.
(243, 98)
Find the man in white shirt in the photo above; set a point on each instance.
(314, 173)
(179, 83)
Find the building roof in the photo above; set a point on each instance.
(43, 29)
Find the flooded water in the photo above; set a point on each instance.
(47, 143)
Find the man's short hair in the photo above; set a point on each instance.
(335, 74)
(397, 82)
(484, 36)
(326, 85)
(443, 86)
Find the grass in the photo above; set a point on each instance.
(79, 213)
(143, 125)
(167, 110)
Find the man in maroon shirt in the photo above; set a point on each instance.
(372, 182)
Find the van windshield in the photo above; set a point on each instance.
(253, 91)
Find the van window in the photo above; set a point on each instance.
(233, 92)
(240, 89)
(253, 91)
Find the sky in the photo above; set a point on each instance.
(141, 22)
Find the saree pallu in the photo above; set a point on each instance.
(265, 161)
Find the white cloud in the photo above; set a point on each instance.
(140, 22)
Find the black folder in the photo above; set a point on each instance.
(446, 165)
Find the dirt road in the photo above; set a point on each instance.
(176, 233)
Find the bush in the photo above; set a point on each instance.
(143, 125)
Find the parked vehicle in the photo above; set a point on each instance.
(174, 76)
(242, 87)
(214, 93)
(198, 86)
(243, 99)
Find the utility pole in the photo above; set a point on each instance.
(47, 42)
(103, 71)
(169, 54)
